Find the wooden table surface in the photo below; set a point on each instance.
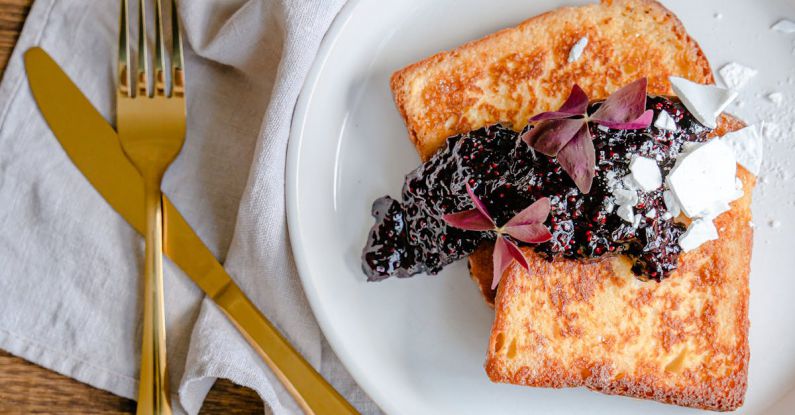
(27, 388)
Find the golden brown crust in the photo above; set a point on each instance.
(480, 269)
(682, 341)
(511, 74)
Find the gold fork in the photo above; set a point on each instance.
(150, 120)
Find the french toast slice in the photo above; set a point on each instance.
(512, 74)
(517, 72)
(682, 341)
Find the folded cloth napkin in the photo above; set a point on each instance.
(70, 266)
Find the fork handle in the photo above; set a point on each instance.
(153, 395)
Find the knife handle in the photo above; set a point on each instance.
(312, 393)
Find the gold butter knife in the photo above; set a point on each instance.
(93, 146)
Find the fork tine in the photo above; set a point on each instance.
(125, 81)
(161, 80)
(177, 57)
(144, 70)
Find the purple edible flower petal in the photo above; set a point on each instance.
(532, 233)
(575, 104)
(526, 226)
(549, 137)
(505, 251)
(535, 213)
(578, 159)
(470, 220)
(642, 122)
(477, 219)
(516, 253)
(479, 205)
(625, 106)
(564, 133)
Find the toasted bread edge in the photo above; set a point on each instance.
(399, 81)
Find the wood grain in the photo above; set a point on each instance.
(12, 15)
(26, 388)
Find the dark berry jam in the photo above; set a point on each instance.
(410, 237)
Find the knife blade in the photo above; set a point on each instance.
(93, 146)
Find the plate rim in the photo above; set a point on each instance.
(293, 162)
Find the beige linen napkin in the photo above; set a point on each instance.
(69, 265)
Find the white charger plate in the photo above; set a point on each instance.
(417, 345)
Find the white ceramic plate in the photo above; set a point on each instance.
(417, 345)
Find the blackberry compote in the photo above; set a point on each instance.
(409, 236)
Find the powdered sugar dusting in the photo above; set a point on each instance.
(577, 49)
(767, 100)
(776, 97)
(736, 75)
(778, 169)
